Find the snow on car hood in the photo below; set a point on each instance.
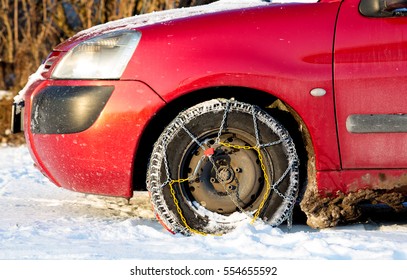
(168, 15)
(161, 16)
(149, 19)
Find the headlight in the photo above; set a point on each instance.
(102, 57)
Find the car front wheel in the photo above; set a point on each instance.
(220, 163)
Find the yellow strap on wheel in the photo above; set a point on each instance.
(263, 168)
(256, 215)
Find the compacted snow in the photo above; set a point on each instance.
(41, 221)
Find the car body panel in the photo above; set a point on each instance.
(330, 183)
(370, 79)
(260, 48)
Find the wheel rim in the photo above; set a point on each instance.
(238, 183)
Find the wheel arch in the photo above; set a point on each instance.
(270, 103)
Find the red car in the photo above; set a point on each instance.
(224, 113)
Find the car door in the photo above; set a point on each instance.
(370, 82)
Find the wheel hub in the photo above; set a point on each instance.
(225, 174)
(229, 172)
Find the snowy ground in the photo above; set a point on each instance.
(41, 221)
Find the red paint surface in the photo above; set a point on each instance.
(100, 159)
(283, 50)
(370, 78)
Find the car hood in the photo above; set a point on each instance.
(158, 17)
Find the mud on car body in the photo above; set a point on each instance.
(224, 113)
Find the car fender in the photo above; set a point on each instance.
(284, 50)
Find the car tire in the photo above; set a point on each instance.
(206, 176)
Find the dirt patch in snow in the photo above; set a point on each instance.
(138, 206)
(323, 212)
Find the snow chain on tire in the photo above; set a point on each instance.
(159, 158)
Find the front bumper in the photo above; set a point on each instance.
(86, 147)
